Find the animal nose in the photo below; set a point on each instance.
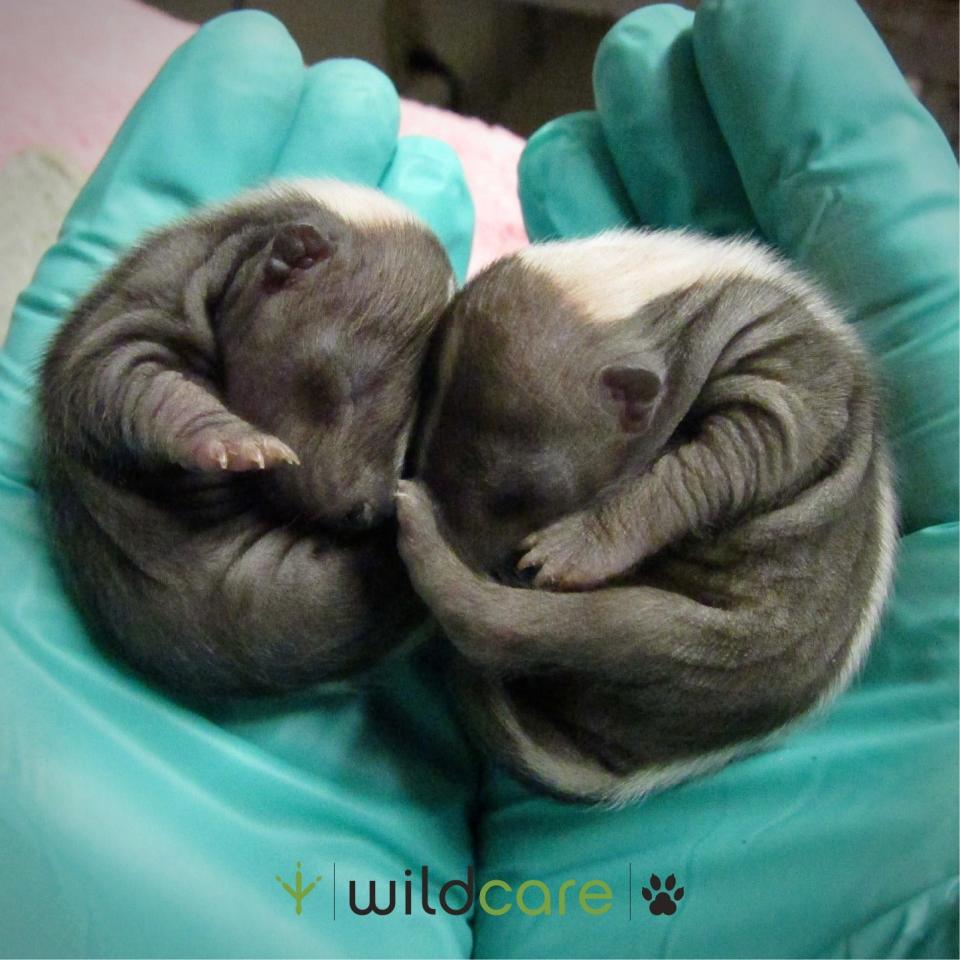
(360, 514)
(365, 514)
(370, 509)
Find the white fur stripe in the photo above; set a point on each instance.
(574, 775)
(612, 275)
(357, 204)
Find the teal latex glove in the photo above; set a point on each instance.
(790, 121)
(128, 825)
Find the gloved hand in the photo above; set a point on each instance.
(128, 824)
(790, 121)
(794, 125)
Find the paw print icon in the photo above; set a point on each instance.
(662, 901)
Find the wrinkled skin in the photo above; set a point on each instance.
(695, 487)
(225, 418)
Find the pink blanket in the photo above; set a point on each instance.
(70, 71)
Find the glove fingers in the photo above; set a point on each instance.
(346, 124)
(844, 168)
(848, 174)
(426, 176)
(209, 125)
(569, 184)
(661, 132)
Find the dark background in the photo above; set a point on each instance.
(520, 63)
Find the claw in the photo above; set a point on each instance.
(540, 581)
(527, 561)
(529, 541)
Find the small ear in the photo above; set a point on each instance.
(635, 392)
(296, 246)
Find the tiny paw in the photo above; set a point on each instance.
(573, 555)
(562, 555)
(219, 450)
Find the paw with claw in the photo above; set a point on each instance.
(236, 450)
(579, 552)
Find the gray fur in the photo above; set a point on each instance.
(224, 419)
(708, 529)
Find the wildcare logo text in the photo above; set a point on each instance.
(417, 893)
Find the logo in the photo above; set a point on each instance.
(299, 892)
(419, 894)
(665, 901)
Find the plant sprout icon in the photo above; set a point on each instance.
(300, 891)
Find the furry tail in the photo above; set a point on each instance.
(650, 639)
(611, 693)
(512, 629)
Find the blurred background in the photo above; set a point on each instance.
(519, 63)
(71, 70)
